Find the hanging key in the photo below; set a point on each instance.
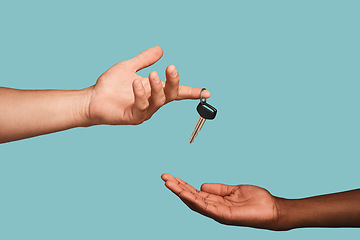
(206, 112)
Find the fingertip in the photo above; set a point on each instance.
(206, 94)
(153, 74)
(168, 177)
(154, 77)
(156, 51)
(170, 68)
(137, 84)
(203, 187)
(145, 58)
(159, 50)
(170, 185)
(171, 71)
(165, 176)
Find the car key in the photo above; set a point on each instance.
(206, 112)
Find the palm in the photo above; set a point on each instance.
(245, 205)
(242, 205)
(113, 97)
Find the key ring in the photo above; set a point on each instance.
(201, 98)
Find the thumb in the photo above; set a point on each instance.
(146, 58)
(217, 189)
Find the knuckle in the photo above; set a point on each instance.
(160, 101)
(143, 92)
(174, 83)
(163, 100)
(144, 106)
(138, 121)
(170, 98)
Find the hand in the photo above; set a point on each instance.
(241, 205)
(120, 96)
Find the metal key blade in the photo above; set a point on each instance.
(198, 127)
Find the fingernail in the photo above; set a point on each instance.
(174, 73)
(138, 84)
(156, 79)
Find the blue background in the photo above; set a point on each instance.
(284, 76)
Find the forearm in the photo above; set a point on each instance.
(331, 210)
(29, 113)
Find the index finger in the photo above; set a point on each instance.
(186, 92)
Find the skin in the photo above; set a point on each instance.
(253, 206)
(119, 97)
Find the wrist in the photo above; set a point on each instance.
(288, 214)
(83, 106)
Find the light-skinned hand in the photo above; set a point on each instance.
(121, 96)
